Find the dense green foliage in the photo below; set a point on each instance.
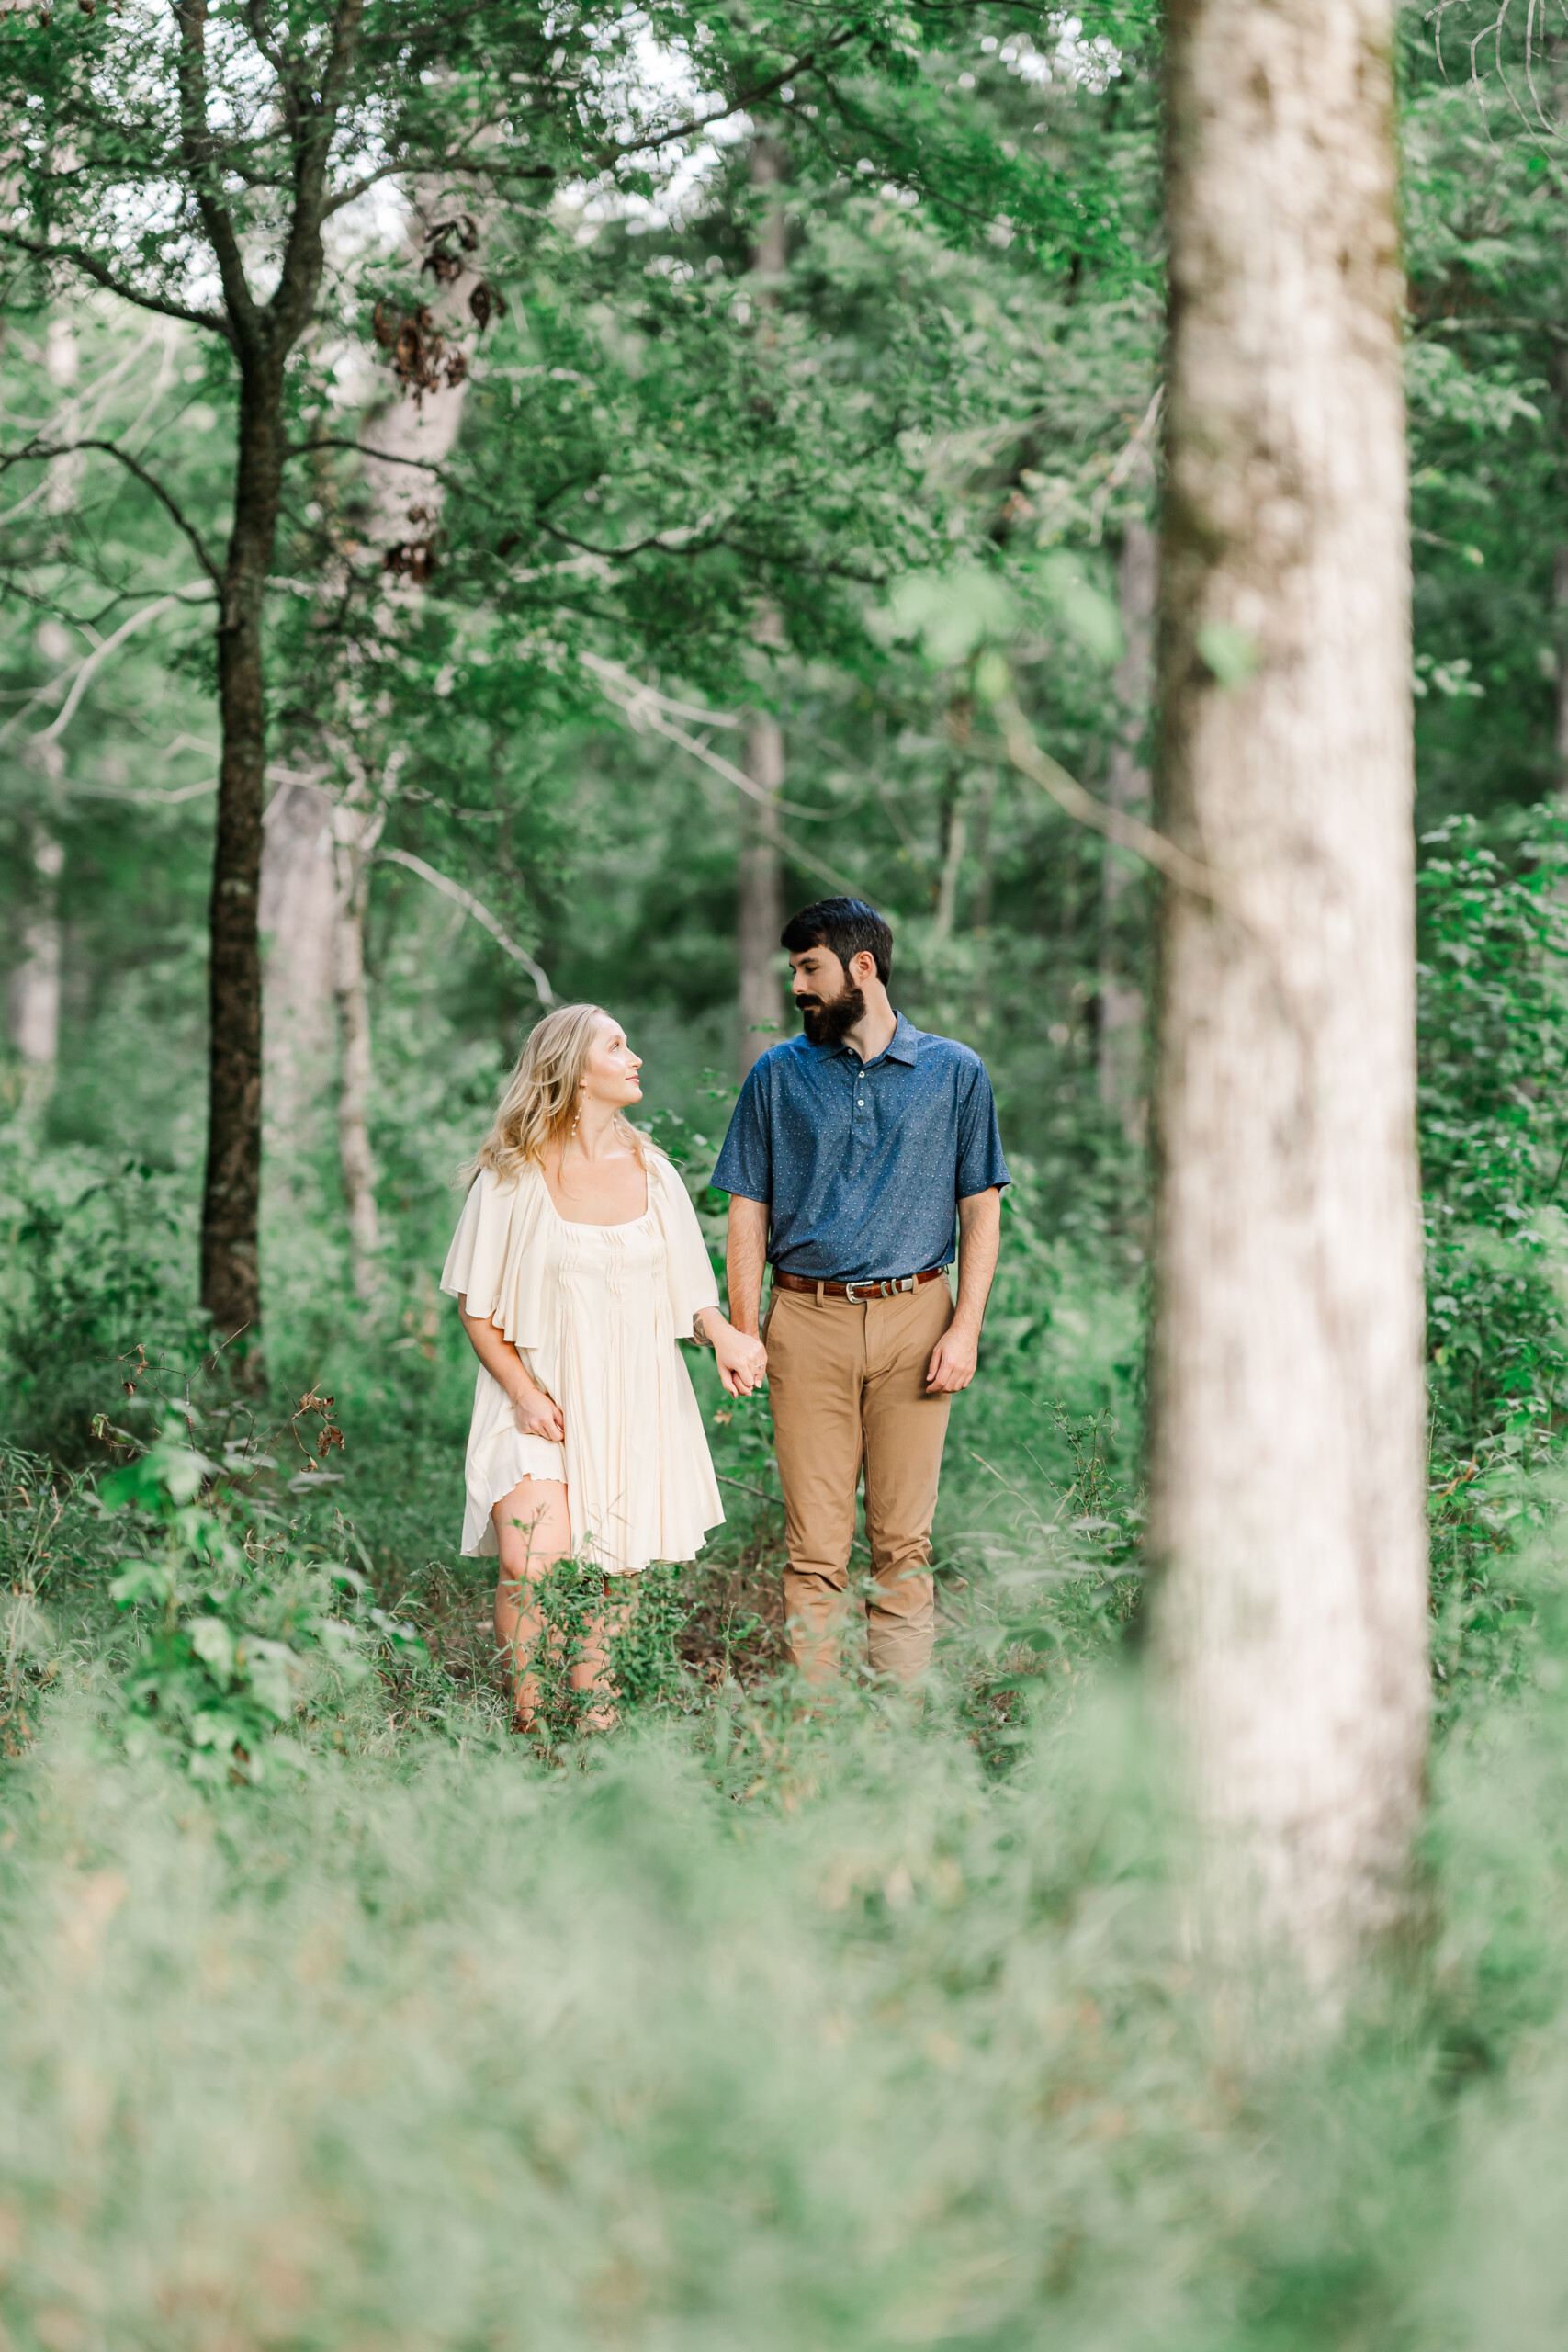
(336, 2018)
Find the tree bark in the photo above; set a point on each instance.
(355, 840)
(1123, 1090)
(760, 894)
(405, 504)
(297, 908)
(758, 898)
(33, 1002)
(231, 1267)
(1286, 1463)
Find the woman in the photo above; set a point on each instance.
(576, 1266)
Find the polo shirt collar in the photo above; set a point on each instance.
(904, 1045)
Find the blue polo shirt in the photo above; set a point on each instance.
(863, 1164)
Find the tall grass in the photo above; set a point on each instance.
(751, 2025)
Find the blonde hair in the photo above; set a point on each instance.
(539, 1101)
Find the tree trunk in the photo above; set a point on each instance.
(405, 500)
(230, 1270)
(298, 892)
(33, 1003)
(33, 1006)
(1286, 1466)
(356, 831)
(760, 894)
(1559, 600)
(759, 909)
(1122, 1091)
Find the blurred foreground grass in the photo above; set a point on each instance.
(747, 2027)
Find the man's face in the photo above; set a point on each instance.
(828, 1000)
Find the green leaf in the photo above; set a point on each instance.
(1229, 653)
(1085, 611)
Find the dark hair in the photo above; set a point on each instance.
(846, 925)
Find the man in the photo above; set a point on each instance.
(850, 1152)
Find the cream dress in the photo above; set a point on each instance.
(594, 1311)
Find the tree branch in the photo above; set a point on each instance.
(387, 457)
(195, 142)
(480, 913)
(740, 104)
(40, 451)
(1128, 832)
(101, 275)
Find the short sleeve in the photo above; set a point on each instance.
(688, 1268)
(496, 1262)
(980, 1161)
(746, 1164)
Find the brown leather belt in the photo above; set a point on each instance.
(857, 1291)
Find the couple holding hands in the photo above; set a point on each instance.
(579, 1264)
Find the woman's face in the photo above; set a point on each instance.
(612, 1073)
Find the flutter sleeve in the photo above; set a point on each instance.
(496, 1263)
(688, 1268)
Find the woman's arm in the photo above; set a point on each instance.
(742, 1359)
(537, 1415)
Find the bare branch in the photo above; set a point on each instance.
(101, 275)
(365, 449)
(740, 104)
(641, 708)
(480, 913)
(43, 450)
(94, 661)
(1187, 872)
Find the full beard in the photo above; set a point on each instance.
(830, 1025)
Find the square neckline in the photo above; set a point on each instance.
(592, 1225)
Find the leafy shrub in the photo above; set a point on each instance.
(95, 1262)
(244, 1618)
(1494, 1115)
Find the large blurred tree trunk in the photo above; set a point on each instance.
(1287, 1504)
(759, 899)
(1123, 1090)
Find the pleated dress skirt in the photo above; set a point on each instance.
(635, 1463)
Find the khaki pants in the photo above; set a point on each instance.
(848, 1383)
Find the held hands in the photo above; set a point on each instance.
(954, 1360)
(742, 1359)
(539, 1415)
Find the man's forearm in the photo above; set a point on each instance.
(745, 1260)
(979, 1241)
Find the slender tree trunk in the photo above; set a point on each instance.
(355, 840)
(1123, 1091)
(405, 507)
(33, 1006)
(759, 909)
(1287, 1484)
(230, 1270)
(760, 894)
(298, 892)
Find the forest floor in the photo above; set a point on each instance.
(751, 2024)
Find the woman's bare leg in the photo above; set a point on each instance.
(590, 1668)
(533, 1531)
